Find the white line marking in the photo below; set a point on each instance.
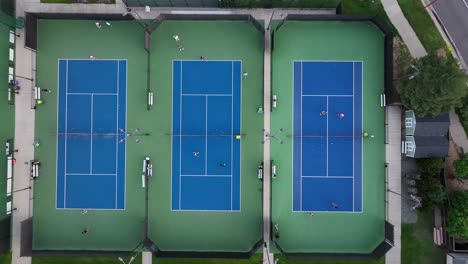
(205, 175)
(201, 95)
(66, 138)
(57, 142)
(362, 143)
(292, 129)
(232, 127)
(206, 135)
(91, 138)
(354, 92)
(91, 174)
(117, 138)
(326, 155)
(180, 139)
(328, 177)
(240, 143)
(125, 146)
(113, 94)
(301, 161)
(326, 95)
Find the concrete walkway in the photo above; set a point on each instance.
(457, 133)
(393, 197)
(397, 18)
(266, 146)
(24, 138)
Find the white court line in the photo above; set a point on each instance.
(114, 94)
(180, 138)
(326, 155)
(91, 138)
(240, 143)
(66, 131)
(327, 61)
(57, 142)
(205, 175)
(117, 139)
(232, 126)
(354, 92)
(91, 174)
(125, 146)
(226, 95)
(206, 135)
(327, 95)
(328, 177)
(362, 143)
(292, 129)
(300, 195)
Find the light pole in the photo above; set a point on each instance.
(411, 75)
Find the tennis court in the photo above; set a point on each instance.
(327, 160)
(91, 110)
(205, 137)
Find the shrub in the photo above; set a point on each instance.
(430, 166)
(458, 215)
(461, 166)
(431, 191)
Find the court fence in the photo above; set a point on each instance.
(378, 22)
(156, 22)
(377, 253)
(5, 234)
(157, 252)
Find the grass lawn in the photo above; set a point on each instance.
(422, 24)
(80, 260)
(74, 1)
(6, 259)
(417, 245)
(367, 7)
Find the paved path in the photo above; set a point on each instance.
(266, 146)
(147, 258)
(397, 18)
(24, 138)
(393, 197)
(457, 132)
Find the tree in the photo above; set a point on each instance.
(461, 166)
(458, 215)
(431, 191)
(430, 166)
(433, 85)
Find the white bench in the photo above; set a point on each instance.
(35, 169)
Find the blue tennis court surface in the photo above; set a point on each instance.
(91, 109)
(206, 120)
(327, 160)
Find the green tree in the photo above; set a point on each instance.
(461, 166)
(432, 85)
(432, 192)
(430, 166)
(458, 215)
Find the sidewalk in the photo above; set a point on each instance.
(397, 18)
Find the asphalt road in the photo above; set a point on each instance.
(454, 16)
